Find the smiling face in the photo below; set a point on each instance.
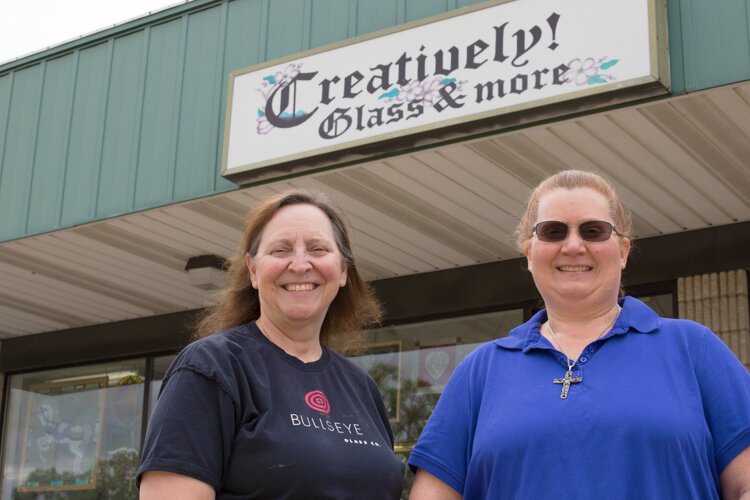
(573, 272)
(297, 269)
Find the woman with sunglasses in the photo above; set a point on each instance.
(595, 396)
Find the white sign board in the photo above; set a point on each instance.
(489, 61)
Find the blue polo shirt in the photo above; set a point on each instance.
(663, 407)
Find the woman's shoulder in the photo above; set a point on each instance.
(640, 317)
(685, 326)
(209, 354)
(686, 330)
(697, 340)
(354, 375)
(486, 350)
(478, 364)
(701, 340)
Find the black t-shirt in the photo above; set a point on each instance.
(240, 414)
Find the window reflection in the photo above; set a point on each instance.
(160, 366)
(74, 433)
(663, 304)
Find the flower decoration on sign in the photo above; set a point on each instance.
(269, 84)
(426, 91)
(590, 71)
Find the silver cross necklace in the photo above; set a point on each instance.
(569, 378)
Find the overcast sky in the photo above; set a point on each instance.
(28, 26)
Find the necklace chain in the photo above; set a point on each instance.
(571, 362)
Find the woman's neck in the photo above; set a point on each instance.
(571, 334)
(303, 343)
(581, 326)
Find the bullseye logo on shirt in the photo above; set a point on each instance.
(318, 401)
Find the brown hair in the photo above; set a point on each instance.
(354, 307)
(572, 179)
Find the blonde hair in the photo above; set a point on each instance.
(354, 307)
(572, 179)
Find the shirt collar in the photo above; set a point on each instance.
(635, 316)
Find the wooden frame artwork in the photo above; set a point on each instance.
(61, 438)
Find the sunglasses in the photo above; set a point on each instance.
(553, 231)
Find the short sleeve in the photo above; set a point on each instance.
(725, 391)
(443, 447)
(191, 430)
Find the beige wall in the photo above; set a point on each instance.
(719, 301)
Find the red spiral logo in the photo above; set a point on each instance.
(318, 402)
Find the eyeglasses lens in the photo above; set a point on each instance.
(595, 230)
(555, 231)
(551, 231)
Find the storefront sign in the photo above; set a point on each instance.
(486, 62)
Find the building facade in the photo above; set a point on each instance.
(116, 188)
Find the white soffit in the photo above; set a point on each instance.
(679, 164)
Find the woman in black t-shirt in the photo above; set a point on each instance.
(259, 406)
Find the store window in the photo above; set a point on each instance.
(74, 433)
(412, 363)
(663, 304)
(159, 369)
